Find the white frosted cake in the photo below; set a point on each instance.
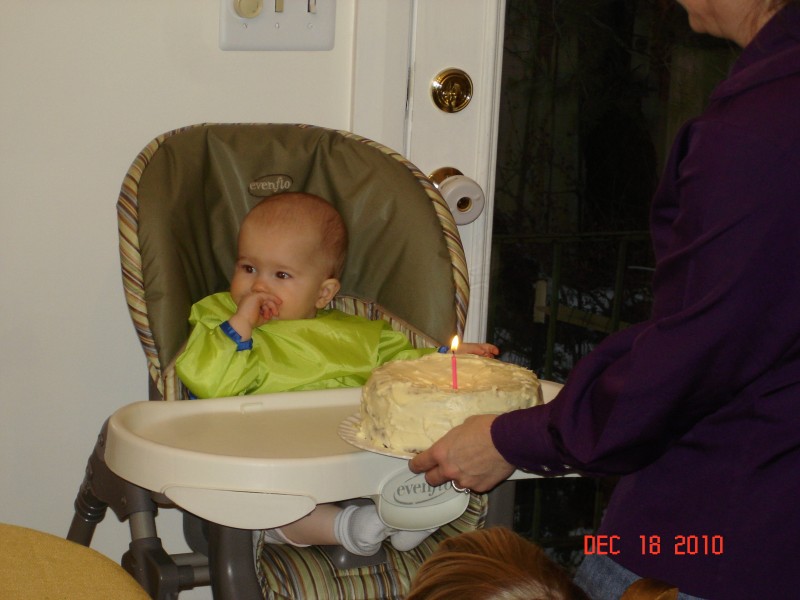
(406, 405)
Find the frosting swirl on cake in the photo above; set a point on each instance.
(406, 405)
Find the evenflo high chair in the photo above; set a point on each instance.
(249, 463)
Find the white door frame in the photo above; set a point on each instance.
(399, 46)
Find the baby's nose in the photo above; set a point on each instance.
(261, 285)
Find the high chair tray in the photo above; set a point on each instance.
(250, 462)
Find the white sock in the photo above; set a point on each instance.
(360, 530)
(406, 540)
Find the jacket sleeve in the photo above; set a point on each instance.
(214, 366)
(724, 320)
(394, 345)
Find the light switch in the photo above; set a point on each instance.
(277, 24)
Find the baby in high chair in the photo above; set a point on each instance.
(272, 333)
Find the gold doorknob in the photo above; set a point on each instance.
(442, 173)
(451, 90)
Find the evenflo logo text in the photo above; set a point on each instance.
(414, 492)
(269, 185)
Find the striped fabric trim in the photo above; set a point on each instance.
(131, 262)
(131, 259)
(173, 388)
(287, 572)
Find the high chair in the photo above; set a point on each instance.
(179, 212)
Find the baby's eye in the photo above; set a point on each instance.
(247, 268)
(282, 275)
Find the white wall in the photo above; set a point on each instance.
(84, 85)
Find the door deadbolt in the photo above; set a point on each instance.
(451, 90)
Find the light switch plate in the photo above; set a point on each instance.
(300, 25)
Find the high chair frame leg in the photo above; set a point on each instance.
(232, 564)
(89, 511)
(160, 574)
(102, 489)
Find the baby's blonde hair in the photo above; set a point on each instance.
(492, 564)
(291, 208)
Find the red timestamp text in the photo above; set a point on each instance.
(684, 545)
(653, 545)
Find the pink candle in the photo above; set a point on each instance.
(454, 368)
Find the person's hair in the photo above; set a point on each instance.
(650, 589)
(308, 210)
(492, 564)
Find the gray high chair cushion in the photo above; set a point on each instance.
(200, 184)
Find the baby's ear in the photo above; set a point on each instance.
(328, 289)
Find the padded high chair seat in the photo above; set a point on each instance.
(179, 212)
(186, 194)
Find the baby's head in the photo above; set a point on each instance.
(292, 246)
(316, 221)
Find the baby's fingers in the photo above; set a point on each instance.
(269, 308)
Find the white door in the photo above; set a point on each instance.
(400, 46)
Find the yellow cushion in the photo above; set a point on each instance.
(39, 566)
